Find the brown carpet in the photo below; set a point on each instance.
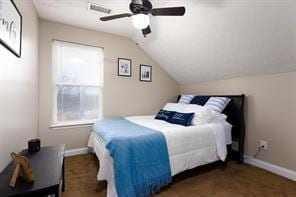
(234, 180)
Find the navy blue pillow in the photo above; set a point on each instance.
(181, 118)
(164, 115)
(200, 100)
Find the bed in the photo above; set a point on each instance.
(188, 147)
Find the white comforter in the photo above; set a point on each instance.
(188, 147)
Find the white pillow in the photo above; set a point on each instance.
(192, 108)
(175, 107)
(202, 115)
(218, 118)
(185, 99)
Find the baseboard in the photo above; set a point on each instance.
(77, 151)
(290, 174)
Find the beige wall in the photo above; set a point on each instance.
(18, 88)
(121, 95)
(270, 113)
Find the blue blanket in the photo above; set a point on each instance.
(140, 156)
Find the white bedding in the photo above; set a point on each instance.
(188, 147)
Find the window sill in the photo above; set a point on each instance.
(69, 125)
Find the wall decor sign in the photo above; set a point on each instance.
(145, 73)
(124, 67)
(10, 27)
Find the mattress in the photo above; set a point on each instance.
(188, 147)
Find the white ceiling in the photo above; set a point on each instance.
(216, 39)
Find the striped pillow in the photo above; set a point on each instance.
(186, 99)
(218, 104)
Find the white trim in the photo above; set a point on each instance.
(77, 151)
(79, 84)
(60, 127)
(290, 174)
(73, 124)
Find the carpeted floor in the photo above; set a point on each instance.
(234, 180)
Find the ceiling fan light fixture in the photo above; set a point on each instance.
(141, 21)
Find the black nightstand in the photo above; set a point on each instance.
(48, 169)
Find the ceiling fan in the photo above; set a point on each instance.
(140, 14)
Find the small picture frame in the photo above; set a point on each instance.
(10, 27)
(145, 73)
(124, 67)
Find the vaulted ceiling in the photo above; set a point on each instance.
(216, 39)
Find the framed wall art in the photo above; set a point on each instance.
(124, 67)
(145, 73)
(10, 27)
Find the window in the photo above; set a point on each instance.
(78, 82)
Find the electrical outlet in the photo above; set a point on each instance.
(263, 144)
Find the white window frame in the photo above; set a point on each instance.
(74, 123)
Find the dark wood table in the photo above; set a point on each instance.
(48, 169)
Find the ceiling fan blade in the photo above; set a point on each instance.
(172, 11)
(107, 18)
(146, 31)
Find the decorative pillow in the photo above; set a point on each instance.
(199, 100)
(181, 118)
(185, 99)
(164, 115)
(218, 104)
(174, 107)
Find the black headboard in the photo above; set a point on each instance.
(235, 116)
